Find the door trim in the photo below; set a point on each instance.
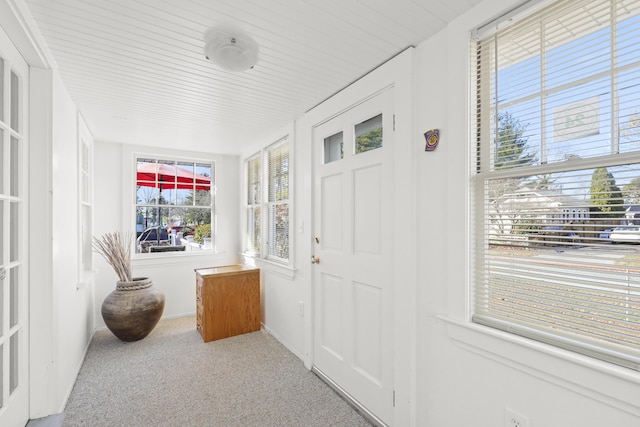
(399, 73)
(348, 398)
(17, 22)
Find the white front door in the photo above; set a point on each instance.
(353, 290)
(14, 357)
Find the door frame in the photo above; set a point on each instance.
(399, 73)
(16, 261)
(17, 22)
(382, 160)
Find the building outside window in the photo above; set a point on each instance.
(174, 205)
(556, 180)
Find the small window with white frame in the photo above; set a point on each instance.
(254, 205)
(269, 203)
(174, 208)
(556, 180)
(278, 201)
(85, 196)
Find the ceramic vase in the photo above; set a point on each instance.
(133, 309)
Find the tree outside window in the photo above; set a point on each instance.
(174, 205)
(557, 183)
(278, 165)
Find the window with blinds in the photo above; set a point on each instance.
(278, 200)
(254, 205)
(556, 188)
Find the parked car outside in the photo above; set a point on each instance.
(186, 231)
(605, 234)
(554, 235)
(625, 234)
(150, 237)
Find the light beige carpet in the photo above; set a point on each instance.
(172, 378)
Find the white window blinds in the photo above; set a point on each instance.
(557, 178)
(278, 172)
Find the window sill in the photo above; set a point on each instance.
(164, 258)
(610, 384)
(270, 266)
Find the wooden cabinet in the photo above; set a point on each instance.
(227, 301)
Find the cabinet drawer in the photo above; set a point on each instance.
(199, 288)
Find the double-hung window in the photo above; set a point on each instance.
(85, 160)
(268, 204)
(278, 201)
(254, 205)
(174, 205)
(556, 182)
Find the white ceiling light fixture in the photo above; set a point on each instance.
(230, 49)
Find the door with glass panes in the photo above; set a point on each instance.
(14, 358)
(353, 236)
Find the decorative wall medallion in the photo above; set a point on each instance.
(433, 137)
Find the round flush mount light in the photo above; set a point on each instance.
(230, 49)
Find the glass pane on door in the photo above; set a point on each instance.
(14, 223)
(1, 159)
(1, 375)
(2, 285)
(369, 134)
(14, 149)
(14, 359)
(15, 102)
(2, 119)
(14, 297)
(2, 261)
(333, 148)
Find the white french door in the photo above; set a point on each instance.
(353, 290)
(14, 357)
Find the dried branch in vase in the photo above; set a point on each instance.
(115, 248)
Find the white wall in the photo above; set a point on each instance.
(464, 374)
(283, 293)
(467, 374)
(173, 274)
(61, 313)
(74, 303)
(283, 287)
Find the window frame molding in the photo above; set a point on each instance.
(246, 205)
(268, 203)
(130, 156)
(85, 137)
(284, 268)
(560, 372)
(579, 372)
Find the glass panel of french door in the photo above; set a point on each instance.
(14, 392)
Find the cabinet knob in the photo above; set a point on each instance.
(315, 260)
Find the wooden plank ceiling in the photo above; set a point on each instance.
(137, 72)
